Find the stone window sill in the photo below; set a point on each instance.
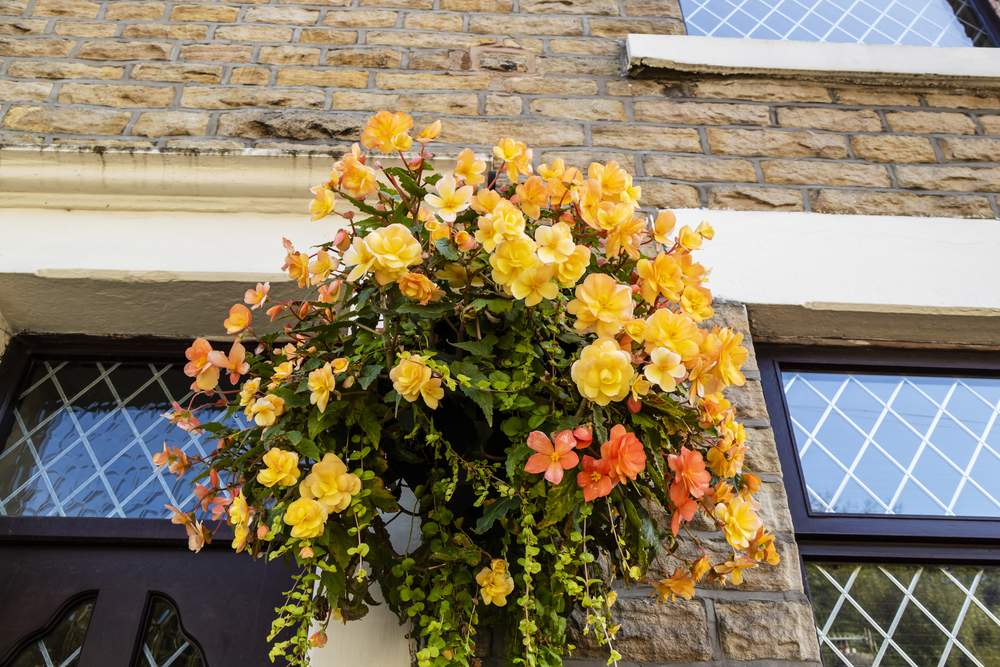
(649, 55)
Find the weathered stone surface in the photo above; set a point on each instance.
(181, 73)
(365, 58)
(927, 122)
(311, 149)
(582, 158)
(17, 139)
(17, 7)
(619, 28)
(494, 6)
(236, 98)
(68, 120)
(961, 179)
(661, 194)
(325, 3)
(503, 105)
(585, 47)
(859, 202)
(591, 7)
(116, 143)
(767, 630)
(775, 143)
(578, 65)
(281, 15)
(424, 59)
(876, 97)
(733, 315)
(77, 9)
(962, 101)
(533, 44)
(320, 36)
(205, 12)
(700, 168)
(597, 109)
(808, 172)
(323, 78)
(403, 4)
(164, 123)
(250, 76)
(658, 8)
(124, 51)
(650, 632)
(543, 85)
(484, 132)
(749, 198)
(29, 69)
(134, 11)
(464, 104)
(432, 81)
(157, 31)
(702, 113)
(85, 29)
(24, 91)
(433, 21)
(970, 150)
(621, 135)
(288, 55)
(762, 452)
(893, 148)
(748, 400)
(991, 124)
(19, 26)
(37, 48)
(501, 61)
(252, 33)
(424, 40)
(203, 145)
(115, 95)
(760, 91)
(643, 88)
(360, 18)
(525, 25)
(300, 125)
(838, 120)
(221, 53)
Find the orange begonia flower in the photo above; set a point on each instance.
(183, 418)
(734, 567)
(238, 320)
(675, 586)
(684, 511)
(205, 373)
(663, 225)
(280, 467)
(691, 480)
(594, 480)
(532, 196)
(419, 287)
(234, 363)
(697, 302)
(601, 305)
(412, 379)
(551, 458)
(430, 132)
(297, 265)
(660, 276)
(583, 436)
(358, 180)
(628, 237)
(494, 583)
(625, 454)
(255, 298)
(388, 132)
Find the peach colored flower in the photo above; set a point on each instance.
(551, 458)
(583, 436)
(469, 169)
(555, 242)
(661, 276)
(504, 223)
(601, 305)
(624, 453)
(199, 367)
(323, 203)
(532, 196)
(627, 236)
(604, 372)
(612, 177)
(238, 320)
(280, 467)
(449, 201)
(674, 331)
(321, 383)
(663, 225)
(183, 418)
(570, 271)
(394, 249)
(594, 480)
(533, 285)
(358, 180)
(430, 132)
(691, 480)
(255, 298)
(412, 378)
(697, 302)
(234, 363)
(340, 365)
(665, 369)
(673, 587)
(465, 241)
(511, 258)
(331, 484)
(685, 511)
(734, 567)
(388, 132)
(173, 457)
(419, 287)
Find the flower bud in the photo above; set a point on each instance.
(306, 552)
(415, 163)
(465, 241)
(262, 532)
(318, 639)
(583, 437)
(342, 240)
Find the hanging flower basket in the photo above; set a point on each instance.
(520, 359)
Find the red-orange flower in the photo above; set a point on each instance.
(594, 480)
(624, 453)
(690, 477)
(552, 459)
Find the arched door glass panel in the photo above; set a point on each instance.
(60, 646)
(164, 643)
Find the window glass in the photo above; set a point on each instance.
(889, 444)
(84, 436)
(906, 614)
(61, 647)
(909, 22)
(164, 644)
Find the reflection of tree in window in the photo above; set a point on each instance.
(164, 643)
(61, 646)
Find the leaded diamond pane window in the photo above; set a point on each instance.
(83, 438)
(917, 615)
(897, 444)
(904, 22)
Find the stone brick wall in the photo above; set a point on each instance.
(303, 74)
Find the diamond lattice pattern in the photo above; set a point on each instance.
(83, 441)
(883, 444)
(922, 616)
(910, 22)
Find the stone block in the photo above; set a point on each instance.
(15, 139)
(301, 125)
(19, 26)
(252, 33)
(658, 8)
(775, 143)
(205, 12)
(749, 198)
(748, 400)
(596, 109)
(991, 124)
(222, 53)
(859, 202)
(545, 85)
(281, 15)
(644, 88)
(759, 91)
(181, 73)
(104, 143)
(837, 120)
(928, 122)
(578, 65)
(324, 3)
(758, 630)
(288, 55)
(961, 179)
(590, 7)
(37, 48)
(491, 6)
(661, 194)
(30, 69)
(209, 145)
(320, 36)
(962, 101)
(134, 11)
(433, 21)
(533, 44)
(525, 25)
(431, 81)
(876, 97)
(582, 158)
(485, 132)
(402, 4)
(365, 58)
(424, 40)
(970, 150)
(503, 105)
(502, 61)
(25, 91)
(65, 120)
(619, 28)
(17, 7)
(762, 452)
(124, 51)
(702, 113)
(324, 78)
(250, 76)
(585, 47)
(893, 148)
(646, 138)
(77, 9)
(165, 123)
(360, 18)
(116, 95)
(700, 168)
(809, 172)
(85, 29)
(733, 315)
(237, 98)
(159, 31)
(439, 59)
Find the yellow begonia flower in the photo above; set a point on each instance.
(610, 216)
(281, 468)
(604, 372)
(321, 268)
(557, 169)
(574, 267)
(248, 392)
(601, 305)
(723, 345)
(330, 484)
(358, 180)
(485, 201)
(555, 243)
(688, 239)
(663, 225)
(323, 203)
(306, 517)
(706, 231)
(517, 157)
(612, 177)
(450, 201)
(360, 256)
(631, 194)
(532, 196)
(674, 331)
(321, 383)
(430, 132)
(512, 257)
(661, 276)
(636, 330)
(533, 285)
(411, 379)
(394, 249)
(419, 287)
(340, 365)
(494, 583)
(697, 302)
(389, 132)
(504, 223)
(469, 169)
(457, 276)
(438, 230)
(665, 369)
(239, 511)
(740, 522)
(266, 409)
(282, 372)
(628, 237)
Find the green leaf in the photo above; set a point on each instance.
(430, 310)
(495, 511)
(305, 447)
(483, 399)
(370, 425)
(368, 375)
(497, 306)
(320, 421)
(444, 247)
(362, 206)
(561, 500)
(515, 457)
(480, 348)
(291, 399)
(381, 497)
(339, 543)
